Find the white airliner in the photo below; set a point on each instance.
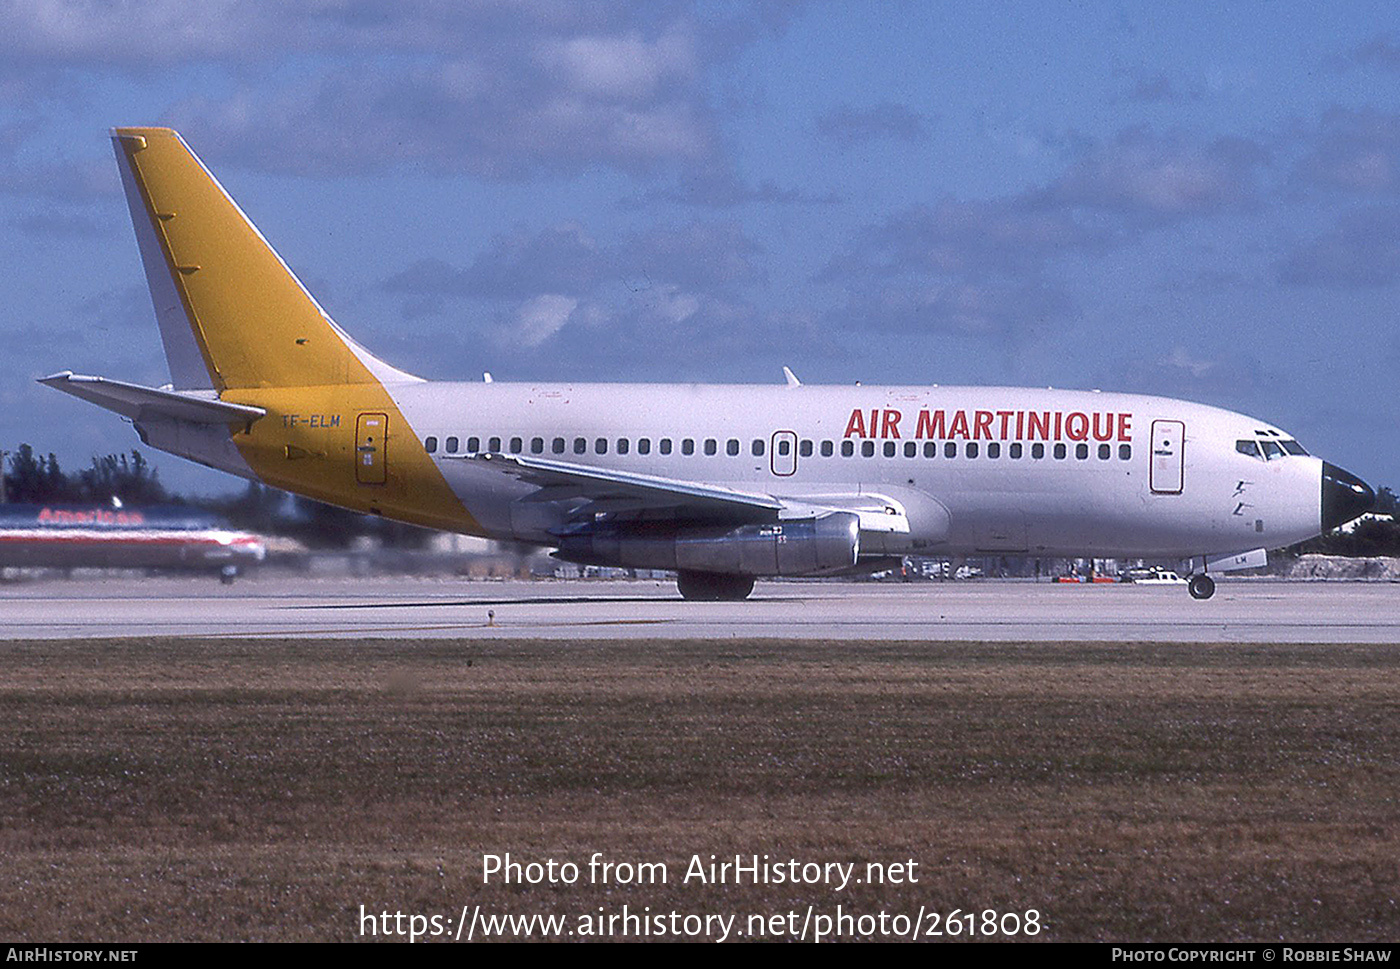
(720, 483)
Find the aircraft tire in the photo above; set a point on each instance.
(1201, 586)
(713, 586)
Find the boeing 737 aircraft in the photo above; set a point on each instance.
(719, 483)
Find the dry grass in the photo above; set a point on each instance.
(155, 790)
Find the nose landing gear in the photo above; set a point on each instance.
(1201, 586)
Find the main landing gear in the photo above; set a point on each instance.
(1201, 586)
(713, 586)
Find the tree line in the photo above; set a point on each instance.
(38, 479)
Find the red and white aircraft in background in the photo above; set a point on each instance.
(148, 537)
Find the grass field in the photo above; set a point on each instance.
(187, 790)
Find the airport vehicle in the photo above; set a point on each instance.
(721, 483)
(1159, 577)
(148, 537)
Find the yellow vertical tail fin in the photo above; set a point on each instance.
(231, 314)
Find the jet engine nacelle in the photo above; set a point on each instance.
(804, 546)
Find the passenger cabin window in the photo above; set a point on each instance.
(600, 446)
(1015, 451)
(1105, 452)
(971, 449)
(580, 445)
(1125, 452)
(994, 450)
(848, 448)
(473, 444)
(452, 445)
(536, 445)
(867, 448)
(828, 449)
(665, 445)
(911, 449)
(494, 445)
(643, 445)
(784, 447)
(623, 445)
(430, 444)
(757, 449)
(557, 445)
(1081, 451)
(688, 446)
(1060, 452)
(731, 447)
(950, 450)
(805, 449)
(516, 445)
(711, 446)
(930, 449)
(1037, 451)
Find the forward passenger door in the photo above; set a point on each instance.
(1167, 473)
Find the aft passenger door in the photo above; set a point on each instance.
(1167, 472)
(371, 436)
(783, 453)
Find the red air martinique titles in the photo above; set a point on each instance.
(991, 425)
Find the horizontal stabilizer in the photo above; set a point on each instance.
(146, 403)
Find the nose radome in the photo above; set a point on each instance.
(1344, 497)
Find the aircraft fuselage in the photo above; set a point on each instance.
(972, 470)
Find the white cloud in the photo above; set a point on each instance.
(626, 66)
(1151, 177)
(1355, 150)
(540, 318)
(491, 88)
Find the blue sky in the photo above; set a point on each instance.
(1196, 200)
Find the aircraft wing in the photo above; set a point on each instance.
(608, 490)
(595, 490)
(138, 403)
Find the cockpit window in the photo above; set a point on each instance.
(1267, 449)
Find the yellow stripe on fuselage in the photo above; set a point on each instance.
(307, 444)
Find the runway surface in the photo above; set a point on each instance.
(273, 605)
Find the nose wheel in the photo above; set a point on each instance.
(1201, 586)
